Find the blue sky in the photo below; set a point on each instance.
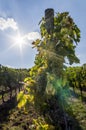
(19, 23)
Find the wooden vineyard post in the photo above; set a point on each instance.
(49, 20)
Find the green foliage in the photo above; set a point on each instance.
(55, 47)
(52, 50)
(21, 98)
(40, 124)
(8, 75)
(10, 79)
(76, 76)
(64, 35)
(46, 76)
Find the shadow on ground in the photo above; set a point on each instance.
(5, 109)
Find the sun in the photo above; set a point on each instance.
(19, 41)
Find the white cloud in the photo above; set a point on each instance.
(32, 36)
(24, 40)
(16, 36)
(11, 23)
(8, 23)
(9, 66)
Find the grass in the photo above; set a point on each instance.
(78, 108)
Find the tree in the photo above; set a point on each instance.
(54, 47)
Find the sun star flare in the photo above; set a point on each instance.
(19, 41)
